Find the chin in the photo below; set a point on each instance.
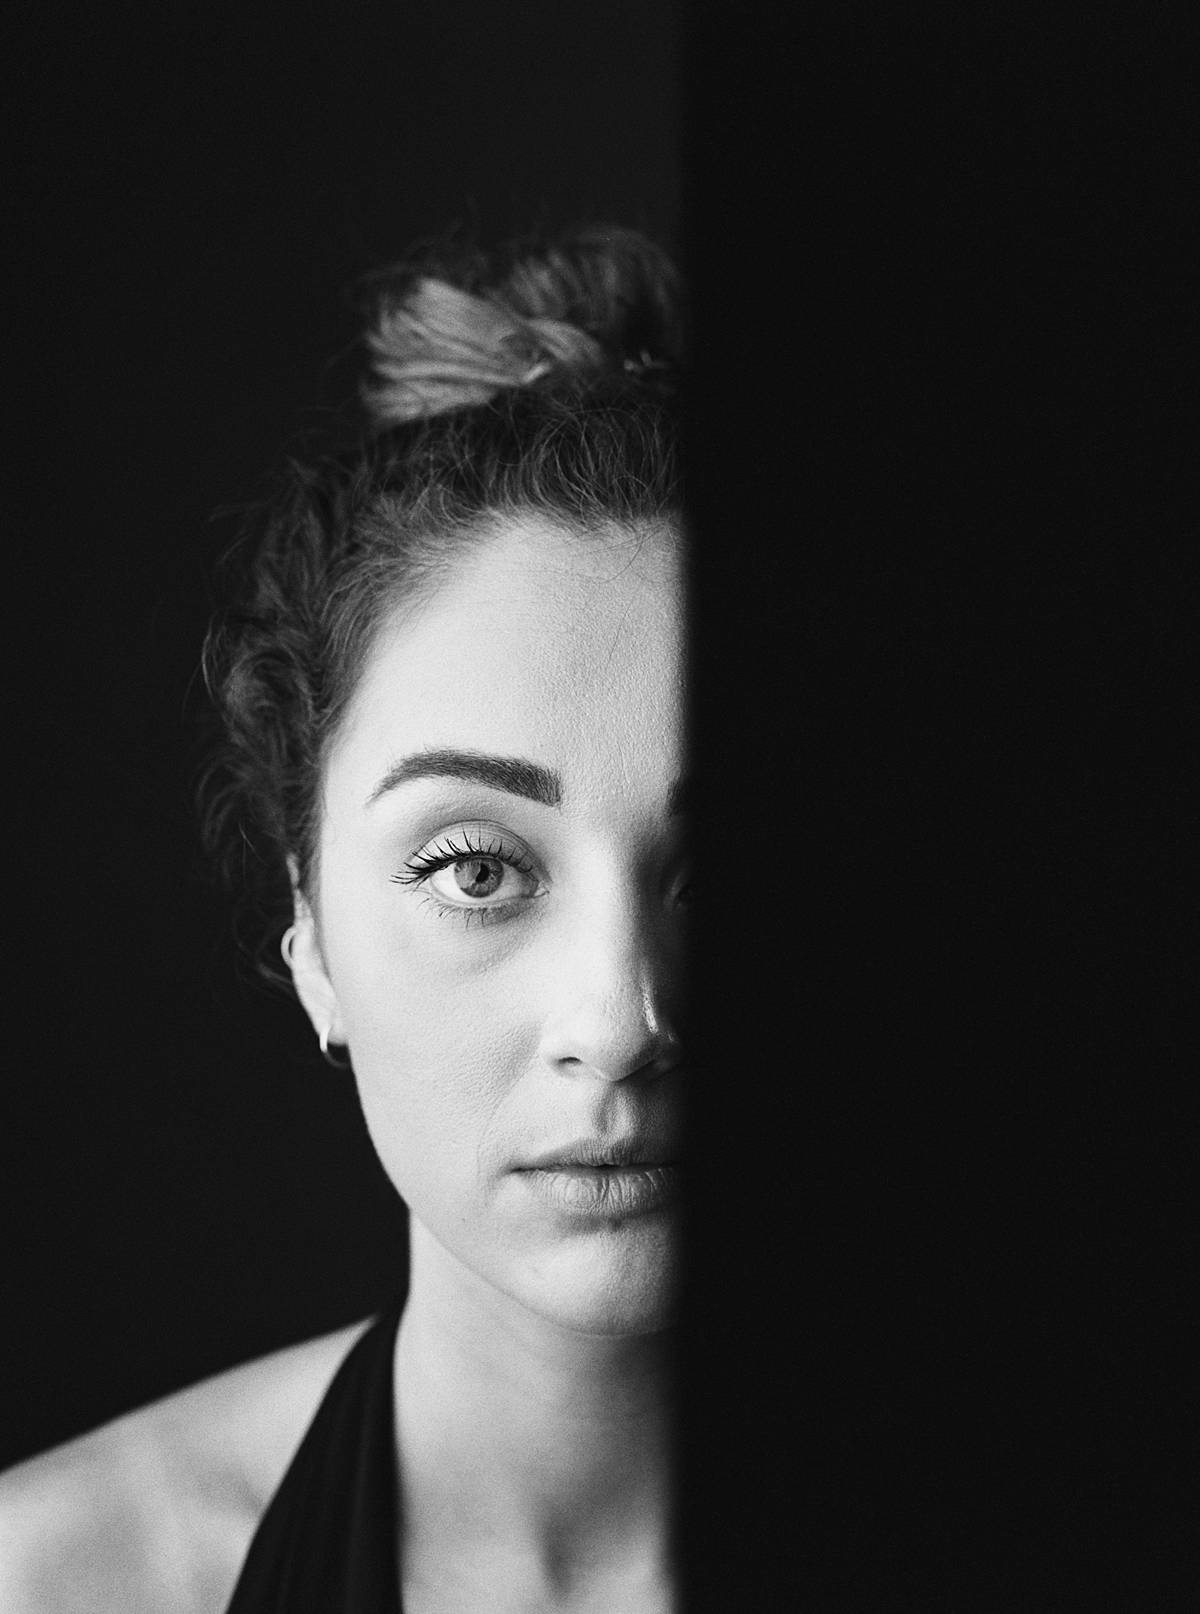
(624, 1283)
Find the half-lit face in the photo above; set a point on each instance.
(497, 925)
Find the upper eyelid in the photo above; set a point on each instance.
(482, 837)
(476, 840)
(462, 841)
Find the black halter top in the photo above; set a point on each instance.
(327, 1543)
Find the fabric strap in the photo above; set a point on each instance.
(327, 1543)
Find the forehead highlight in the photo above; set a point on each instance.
(518, 653)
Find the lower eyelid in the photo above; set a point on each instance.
(476, 912)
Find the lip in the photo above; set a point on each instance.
(606, 1192)
(637, 1151)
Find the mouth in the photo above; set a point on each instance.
(601, 1155)
(600, 1189)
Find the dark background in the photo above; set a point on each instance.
(192, 190)
(945, 419)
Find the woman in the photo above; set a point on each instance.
(452, 689)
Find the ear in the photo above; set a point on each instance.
(309, 975)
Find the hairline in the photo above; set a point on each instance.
(421, 587)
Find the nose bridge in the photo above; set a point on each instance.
(621, 971)
(615, 965)
(609, 1008)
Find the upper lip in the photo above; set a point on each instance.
(624, 1151)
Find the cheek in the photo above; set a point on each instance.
(442, 1026)
(438, 1056)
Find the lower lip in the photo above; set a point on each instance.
(605, 1191)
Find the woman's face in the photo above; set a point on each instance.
(498, 926)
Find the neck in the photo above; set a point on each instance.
(528, 1442)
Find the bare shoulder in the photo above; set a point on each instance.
(155, 1511)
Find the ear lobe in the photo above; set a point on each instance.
(309, 975)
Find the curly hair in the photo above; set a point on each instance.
(541, 379)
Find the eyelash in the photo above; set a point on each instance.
(421, 865)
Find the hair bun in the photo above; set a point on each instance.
(442, 348)
(453, 331)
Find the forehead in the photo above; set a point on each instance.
(563, 648)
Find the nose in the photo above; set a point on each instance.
(611, 1003)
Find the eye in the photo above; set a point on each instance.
(474, 876)
(474, 872)
(481, 877)
(684, 889)
(680, 873)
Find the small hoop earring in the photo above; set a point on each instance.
(323, 1041)
(285, 946)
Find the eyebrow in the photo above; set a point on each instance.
(516, 776)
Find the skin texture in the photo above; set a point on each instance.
(532, 1365)
(477, 1046)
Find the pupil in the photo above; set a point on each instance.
(478, 876)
